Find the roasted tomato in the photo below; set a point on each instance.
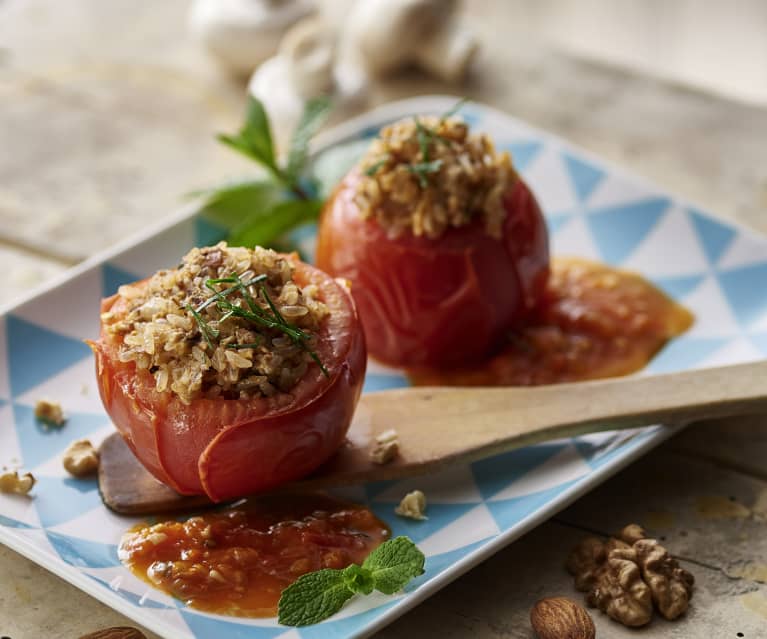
(444, 300)
(226, 448)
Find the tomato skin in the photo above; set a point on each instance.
(227, 448)
(436, 301)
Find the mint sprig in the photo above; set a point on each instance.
(318, 595)
(261, 211)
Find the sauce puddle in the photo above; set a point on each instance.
(238, 561)
(595, 321)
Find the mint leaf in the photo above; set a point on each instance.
(393, 564)
(358, 579)
(263, 226)
(313, 597)
(313, 117)
(231, 203)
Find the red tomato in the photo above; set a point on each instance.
(447, 300)
(227, 448)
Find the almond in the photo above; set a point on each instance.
(561, 618)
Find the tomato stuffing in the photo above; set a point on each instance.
(238, 561)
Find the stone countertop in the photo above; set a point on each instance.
(104, 127)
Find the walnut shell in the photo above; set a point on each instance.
(561, 618)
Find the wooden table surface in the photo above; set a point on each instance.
(106, 117)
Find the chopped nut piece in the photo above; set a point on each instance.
(12, 482)
(50, 412)
(625, 575)
(387, 447)
(412, 506)
(670, 584)
(81, 458)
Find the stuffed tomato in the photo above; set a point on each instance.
(234, 373)
(445, 246)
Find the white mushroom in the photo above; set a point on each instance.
(241, 34)
(386, 35)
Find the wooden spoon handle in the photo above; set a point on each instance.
(440, 426)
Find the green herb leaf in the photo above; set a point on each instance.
(393, 564)
(263, 226)
(453, 110)
(232, 202)
(358, 579)
(255, 137)
(313, 597)
(423, 169)
(314, 115)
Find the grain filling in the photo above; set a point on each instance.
(186, 329)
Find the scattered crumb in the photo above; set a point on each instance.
(84, 389)
(12, 482)
(412, 506)
(50, 412)
(387, 447)
(81, 458)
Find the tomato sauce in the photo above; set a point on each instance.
(239, 560)
(595, 321)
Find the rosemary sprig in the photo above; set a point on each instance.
(254, 313)
(206, 330)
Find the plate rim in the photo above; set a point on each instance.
(646, 438)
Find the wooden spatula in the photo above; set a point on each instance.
(442, 426)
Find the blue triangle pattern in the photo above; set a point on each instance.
(679, 287)
(59, 500)
(714, 236)
(346, 627)
(36, 353)
(83, 553)
(557, 222)
(439, 516)
(684, 353)
(205, 626)
(207, 232)
(509, 512)
(760, 341)
(522, 153)
(496, 473)
(619, 230)
(113, 277)
(745, 289)
(137, 600)
(378, 382)
(595, 459)
(39, 442)
(585, 176)
(14, 523)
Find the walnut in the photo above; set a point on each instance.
(625, 575)
(50, 412)
(619, 590)
(671, 585)
(412, 506)
(12, 482)
(81, 459)
(387, 447)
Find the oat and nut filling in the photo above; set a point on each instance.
(427, 174)
(195, 336)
